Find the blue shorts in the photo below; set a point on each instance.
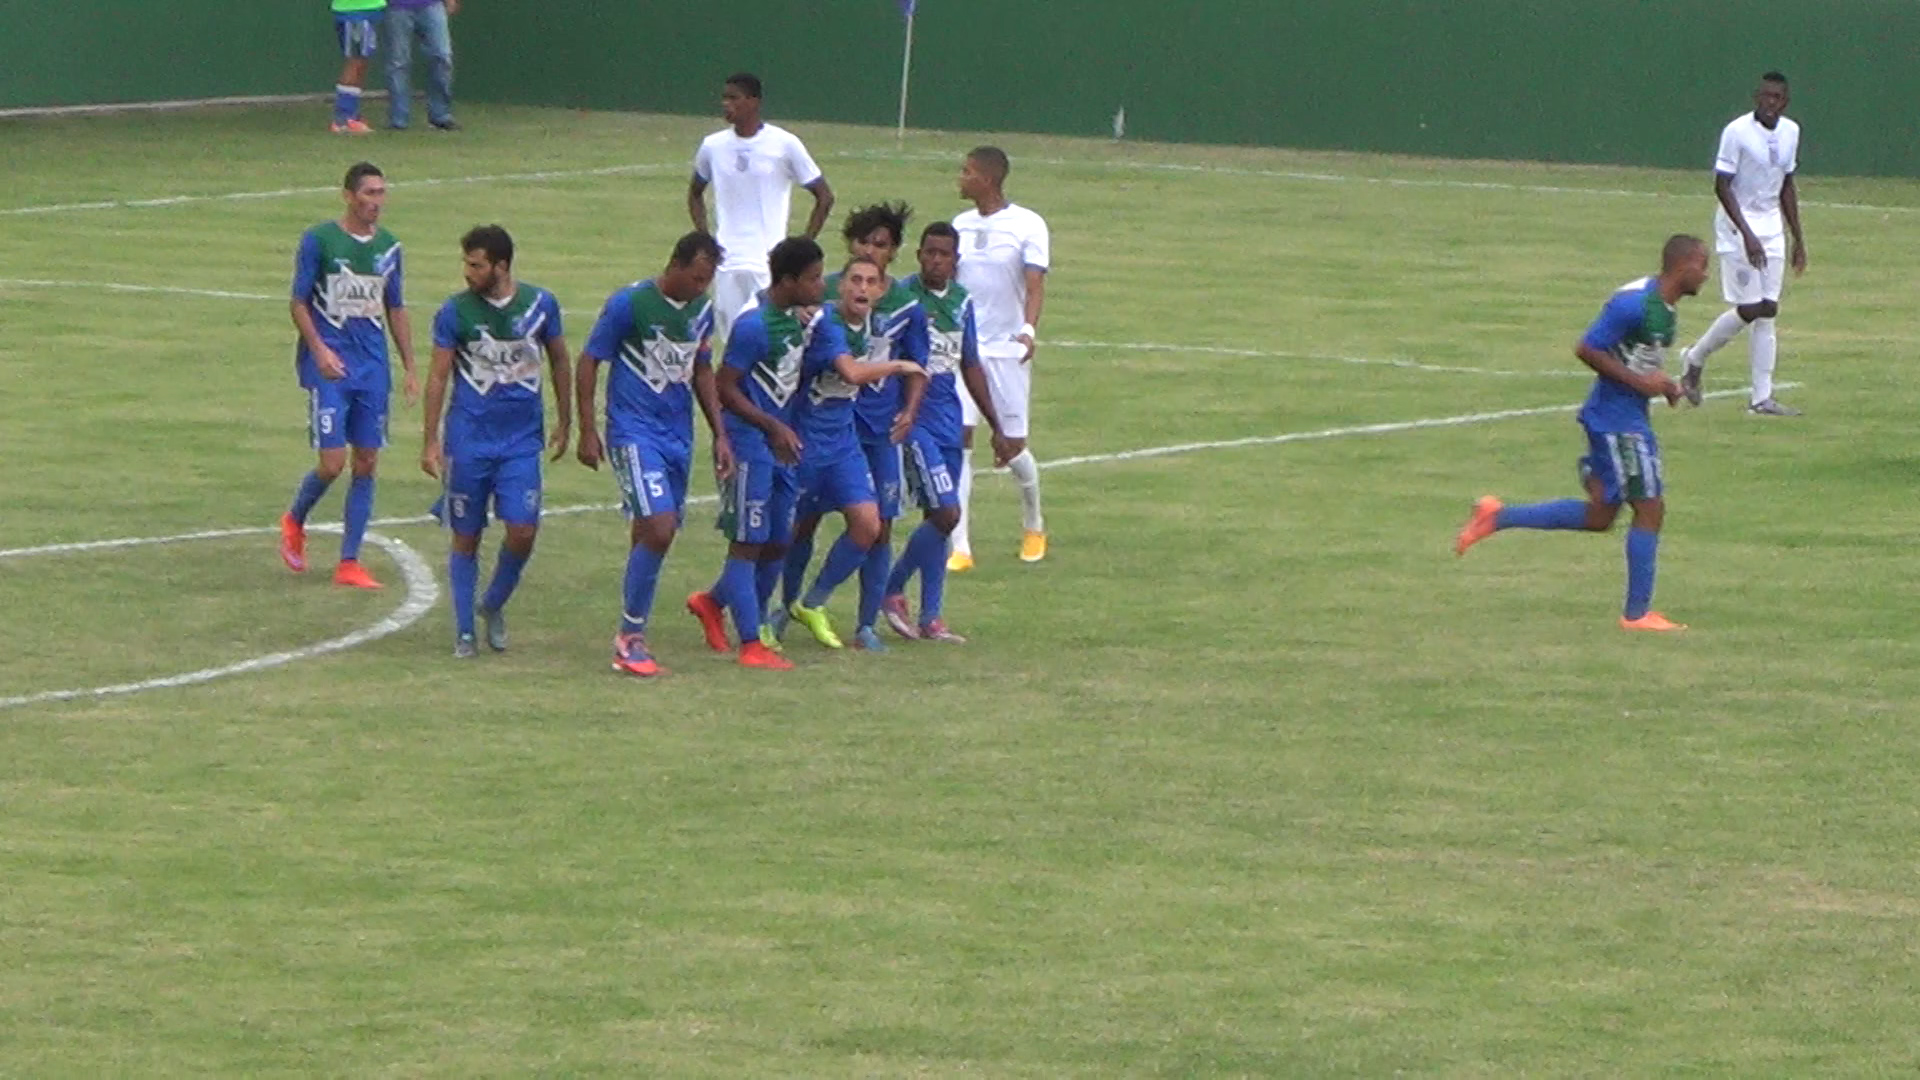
(653, 479)
(933, 473)
(832, 485)
(756, 505)
(883, 465)
(1627, 464)
(339, 415)
(511, 484)
(359, 33)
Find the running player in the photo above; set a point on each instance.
(654, 338)
(1004, 254)
(492, 336)
(1626, 347)
(752, 166)
(347, 297)
(933, 450)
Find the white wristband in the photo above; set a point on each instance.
(1027, 331)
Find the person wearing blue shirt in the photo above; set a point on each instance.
(1626, 348)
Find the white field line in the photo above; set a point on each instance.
(1297, 176)
(172, 105)
(422, 592)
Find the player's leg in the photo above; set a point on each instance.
(401, 24)
(961, 559)
(884, 465)
(847, 485)
(327, 434)
(793, 571)
(744, 517)
(516, 498)
(930, 470)
(468, 484)
(1644, 488)
(1743, 285)
(1764, 342)
(358, 36)
(436, 40)
(1011, 381)
(366, 424)
(652, 491)
(781, 503)
(1601, 471)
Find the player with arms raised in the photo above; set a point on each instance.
(1626, 347)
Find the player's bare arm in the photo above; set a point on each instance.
(1607, 365)
(441, 369)
(586, 381)
(1036, 301)
(1790, 209)
(331, 366)
(697, 203)
(400, 327)
(561, 366)
(822, 206)
(862, 372)
(708, 395)
(1004, 449)
(781, 439)
(1723, 190)
(913, 392)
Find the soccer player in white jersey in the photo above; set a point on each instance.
(752, 166)
(1753, 177)
(1004, 254)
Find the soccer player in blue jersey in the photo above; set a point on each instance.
(1626, 348)
(346, 298)
(833, 473)
(775, 346)
(492, 336)
(653, 336)
(934, 449)
(896, 330)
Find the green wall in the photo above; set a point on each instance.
(1630, 81)
(86, 52)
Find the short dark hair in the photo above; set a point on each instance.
(940, 228)
(892, 217)
(491, 239)
(791, 257)
(1679, 246)
(748, 84)
(993, 161)
(1775, 77)
(359, 171)
(693, 245)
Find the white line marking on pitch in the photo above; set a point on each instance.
(423, 591)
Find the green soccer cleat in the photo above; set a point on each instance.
(770, 638)
(815, 620)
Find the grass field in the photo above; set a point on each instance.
(1250, 778)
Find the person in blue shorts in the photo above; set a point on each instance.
(1626, 348)
(356, 23)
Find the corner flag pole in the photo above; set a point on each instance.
(906, 73)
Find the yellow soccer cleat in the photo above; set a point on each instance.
(959, 562)
(815, 620)
(1033, 546)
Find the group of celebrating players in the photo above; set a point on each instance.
(835, 393)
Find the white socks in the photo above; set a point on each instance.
(1724, 329)
(1766, 348)
(1026, 471)
(962, 545)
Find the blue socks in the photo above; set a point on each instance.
(843, 558)
(359, 512)
(346, 103)
(766, 578)
(738, 592)
(506, 575)
(306, 495)
(464, 573)
(1643, 548)
(794, 574)
(1560, 514)
(643, 578)
(873, 581)
(926, 555)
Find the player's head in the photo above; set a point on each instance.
(876, 232)
(1770, 98)
(859, 287)
(489, 257)
(1683, 261)
(798, 268)
(696, 258)
(365, 190)
(939, 254)
(984, 172)
(740, 98)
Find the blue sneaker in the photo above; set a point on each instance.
(631, 656)
(496, 626)
(464, 647)
(866, 638)
(438, 511)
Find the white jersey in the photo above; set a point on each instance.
(752, 183)
(995, 251)
(1759, 161)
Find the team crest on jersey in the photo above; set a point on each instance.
(1645, 357)
(829, 386)
(352, 296)
(980, 240)
(490, 362)
(742, 161)
(781, 377)
(661, 362)
(943, 352)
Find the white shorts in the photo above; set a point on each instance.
(1010, 384)
(1740, 281)
(733, 292)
